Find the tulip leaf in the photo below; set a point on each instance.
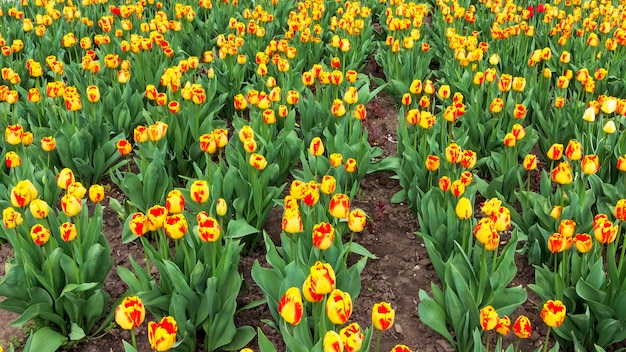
(44, 340)
(239, 228)
(128, 347)
(78, 288)
(76, 333)
(264, 344)
(243, 336)
(431, 314)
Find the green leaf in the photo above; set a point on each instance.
(76, 333)
(239, 228)
(78, 288)
(244, 335)
(264, 344)
(433, 316)
(44, 340)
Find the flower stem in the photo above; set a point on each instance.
(545, 344)
(133, 338)
(487, 341)
(380, 335)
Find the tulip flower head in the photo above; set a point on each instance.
(504, 325)
(522, 327)
(464, 208)
(400, 348)
(323, 235)
(620, 210)
(382, 316)
(208, 228)
(292, 221)
(96, 193)
(488, 318)
(12, 159)
(583, 242)
(39, 208)
(332, 342)
(11, 218)
(562, 173)
(357, 220)
(175, 202)
(290, 306)
(486, 233)
(553, 313)
(162, 335)
(338, 307)
(175, 226)
(138, 224)
(339, 206)
(130, 313)
(39, 234)
(352, 337)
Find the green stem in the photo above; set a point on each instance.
(517, 345)
(545, 344)
(291, 245)
(380, 335)
(47, 251)
(134, 339)
(621, 257)
(345, 257)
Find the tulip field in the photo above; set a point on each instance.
(211, 175)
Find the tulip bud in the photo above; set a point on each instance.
(338, 307)
(382, 316)
(221, 207)
(488, 318)
(290, 306)
(553, 313)
(463, 209)
(39, 234)
(352, 337)
(162, 335)
(130, 313)
(357, 220)
(522, 327)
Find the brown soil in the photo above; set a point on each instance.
(401, 270)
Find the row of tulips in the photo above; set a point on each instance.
(492, 103)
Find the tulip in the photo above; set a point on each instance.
(457, 188)
(316, 147)
(496, 105)
(590, 164)
(574, 150)
(336, 159)
(555, 212)
(156, 217)
(583, 242)
(11, 218)
(555, 152)
(501, 217)
(466, 178)
(432, 163)
(328, 184)
(93, 94)
(258, 161)
(23, 193)
(39, 234)
(518, 131)
(310, 193)
(360, 112)
(589, 115)
(199, 191)
(68, 231)
(292, 221)
(444, 183)
(350, 165)
(620, 210)
(557, 243)
(138, 224)
(488, 318)
(221, 207)
(162, 335)
(604, 231)
(567, 227)
(453, 153)
(39, 208)
(338, 307)
(609, 127)
(309, 291)
(124, 147)
(463, 208)
(296, 190)
(486, 233)
(13, 134)
(509, 140)
(553, 313)
(322, 278)
(332, 342)
(519, 111)
(12, 160)
(351, 96)
(522, 327)
(290, 306)
(323, 235)
(208, 228)
(339, 206)
(357, 220)
(175, 226)
(77, 190)
(96, 193)
(70, 205)
(352, 337)
(382, 316)
(562, 174)
(130, 313)
(490, 206)
(338, 109)
(621, 163)
(157, 131)
(140, 134)
(400, 348)
(27, 138)
(530, 162)
(504, 325)
(468, 159)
